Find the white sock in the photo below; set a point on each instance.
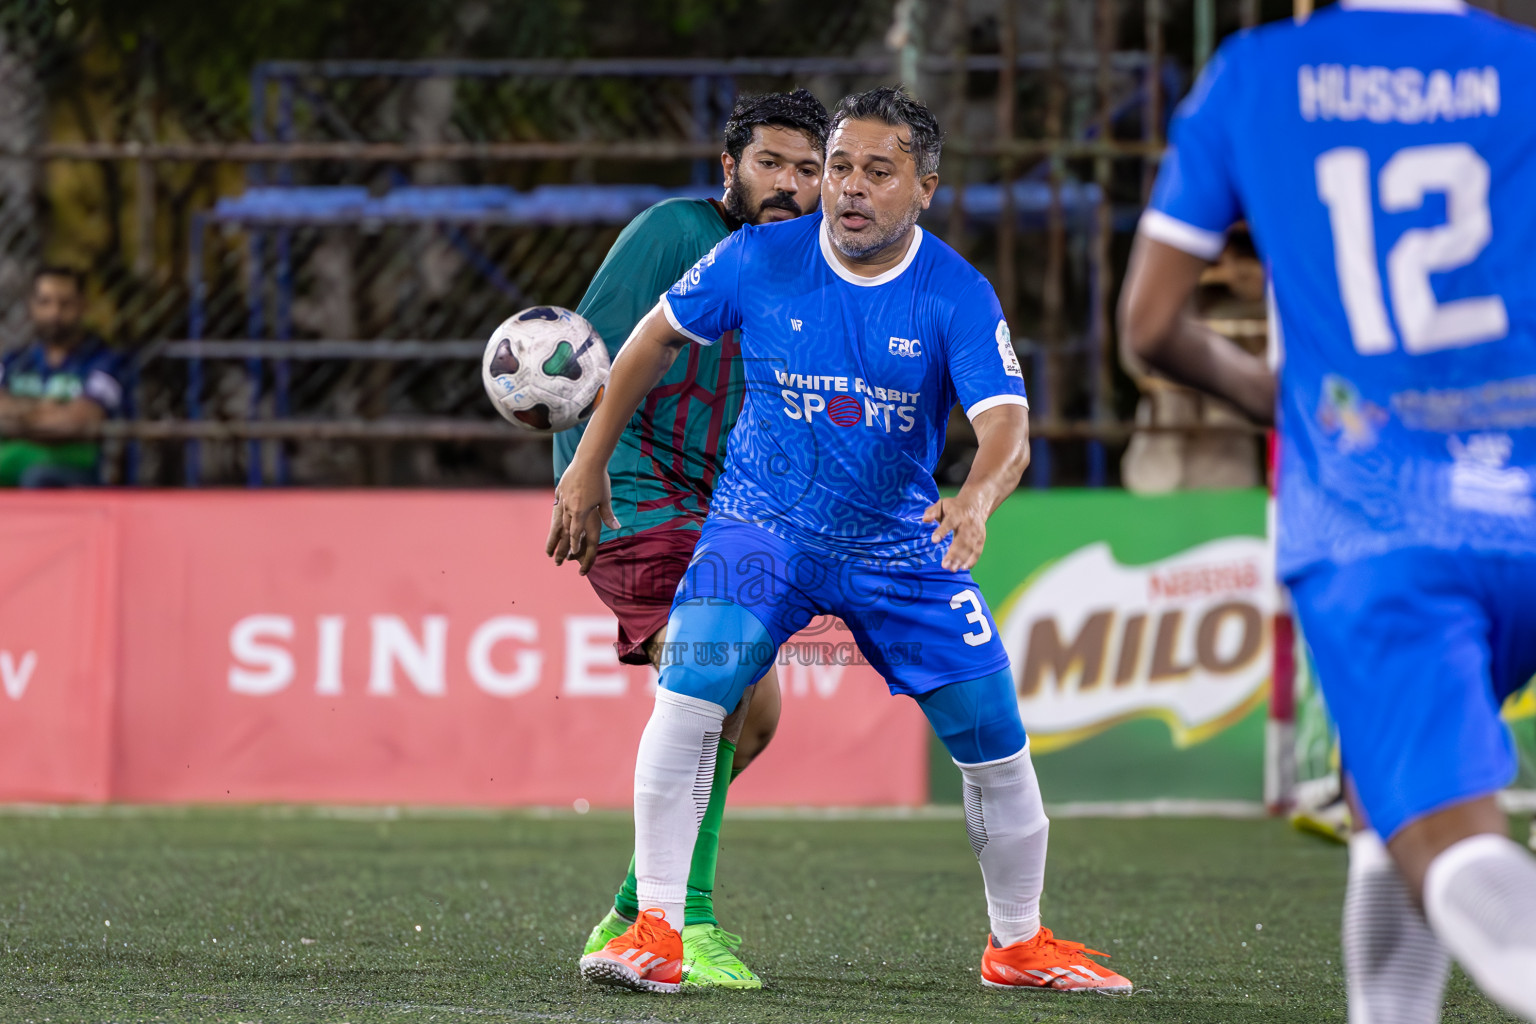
(1480, 897)
(1005, 818)
(674, 772)
(1394, 967)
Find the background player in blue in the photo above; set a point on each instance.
(858, 334)
(1384, 155)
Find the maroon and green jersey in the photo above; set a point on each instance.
(673, 448)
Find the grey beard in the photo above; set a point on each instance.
(874, 245)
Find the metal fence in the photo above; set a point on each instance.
(303, 271)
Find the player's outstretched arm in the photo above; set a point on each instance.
(1002, 456)
(1155, 322)
(581, 498)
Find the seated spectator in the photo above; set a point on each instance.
(65, 381)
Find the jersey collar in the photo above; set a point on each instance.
(37, 352)
(866, 282)
(1407, 6)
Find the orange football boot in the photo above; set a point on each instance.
(647, 957)
(1046, 962)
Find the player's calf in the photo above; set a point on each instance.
(1394, 967)
(762, 721)
(1480, 898)
(1005, 819)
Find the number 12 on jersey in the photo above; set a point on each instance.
(1426, 325)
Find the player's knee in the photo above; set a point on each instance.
(989, 740)
(714, 651)
(755, 738)
(653, 648)
(977, 721)
(703, 683)
(712, 674)
(1005, 794)
(762, 721)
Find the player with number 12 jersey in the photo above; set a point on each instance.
(1416, 173)
(1383, 153)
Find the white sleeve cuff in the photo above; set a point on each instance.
(105, 389)
(1158, 226)
(666, 307)
(977, 408)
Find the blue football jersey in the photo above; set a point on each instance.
(850, 381)
(90, 370)
(1383, 155)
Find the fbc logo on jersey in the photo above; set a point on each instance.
(847, 401)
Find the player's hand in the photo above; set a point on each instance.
(967, 522)
(582, 505)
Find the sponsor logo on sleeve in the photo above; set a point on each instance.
(695, 274)
(1005, 350)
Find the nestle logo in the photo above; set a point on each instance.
(1203, 580)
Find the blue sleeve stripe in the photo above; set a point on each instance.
(977, 408)
(666, 307)
(1158, 226)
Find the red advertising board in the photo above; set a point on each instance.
(58, 662)
(403, 647)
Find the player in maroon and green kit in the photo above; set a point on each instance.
(665, 465)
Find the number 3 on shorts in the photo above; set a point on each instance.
(975, 616)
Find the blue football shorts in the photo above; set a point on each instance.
(747, 591)
(1416, 651)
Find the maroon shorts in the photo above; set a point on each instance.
(636, 577)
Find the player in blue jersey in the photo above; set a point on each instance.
(858, 333)
(1383, 155)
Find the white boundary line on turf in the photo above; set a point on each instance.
(1158, 809)
(929, 812)
(360, 1004)
(1512, 801)
(1080, 809)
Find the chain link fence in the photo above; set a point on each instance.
(197, 163)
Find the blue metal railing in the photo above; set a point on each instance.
(273, 207)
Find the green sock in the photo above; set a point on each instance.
(627, 901)
(700, 907)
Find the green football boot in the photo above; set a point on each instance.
(710, 961)
(608, 929)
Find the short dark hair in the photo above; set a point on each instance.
(797, 110)
(60, 270)
(891, 105)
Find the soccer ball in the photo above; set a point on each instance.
(544, 369)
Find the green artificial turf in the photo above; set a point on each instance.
(274, 915)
